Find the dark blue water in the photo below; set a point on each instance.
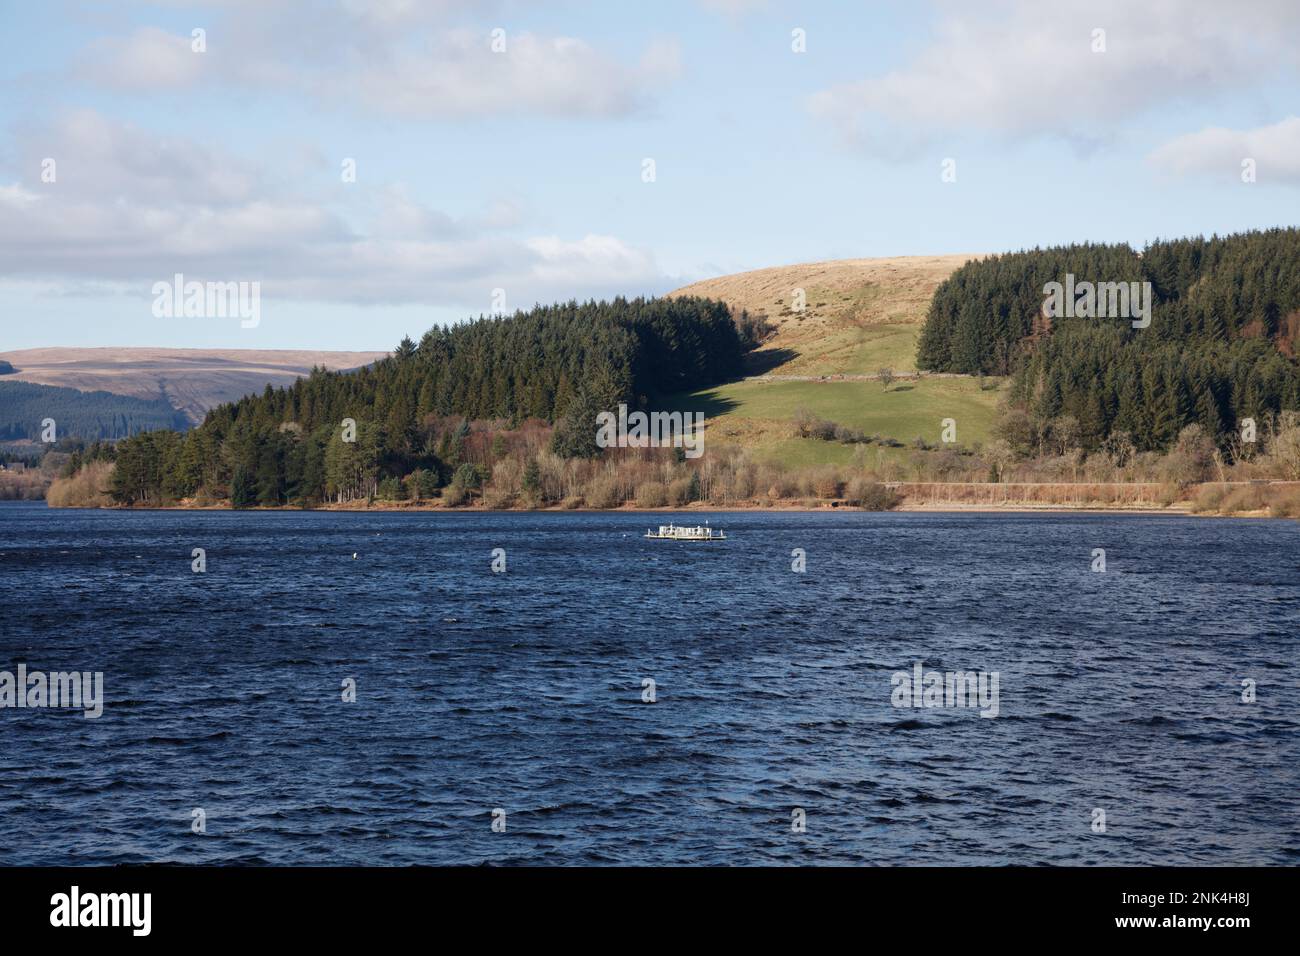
(1119, 691)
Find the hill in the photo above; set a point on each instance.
(191, 381)
(860, 315)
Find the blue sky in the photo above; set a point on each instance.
(522, 169)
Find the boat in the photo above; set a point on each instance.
(672, 532)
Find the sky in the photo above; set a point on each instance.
(381, 167)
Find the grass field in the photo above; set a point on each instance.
(908, 410)
(760, 414)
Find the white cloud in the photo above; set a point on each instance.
(396, 58)
(566, 262)
(17, 197)
(148, 59)
(1023, 69)
(459, 75)
(1218, 151)
(99, 158)
(155, 207)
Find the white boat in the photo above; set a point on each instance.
(672, 532)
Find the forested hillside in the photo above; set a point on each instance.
(90, 415)
(411, 410)
(1221, 345)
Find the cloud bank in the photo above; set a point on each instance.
(128, 207)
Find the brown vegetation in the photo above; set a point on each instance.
(1278, 499)
(23, 485)
(88, 488)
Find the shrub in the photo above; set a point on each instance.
(498, 499)
(88, 488)
(873, 496)
(1249, 498)
(1284, 447)
(1286, 504)
(1191, 458)
(603, 493)
(827, 484)
(651, 495)
(1169, 494)
(1209, 499)
(804, 420)
(822, 430)
(679, 492)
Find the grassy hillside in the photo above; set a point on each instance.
(861, 315)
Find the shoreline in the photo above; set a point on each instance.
(1204, 500)
(1178, 510)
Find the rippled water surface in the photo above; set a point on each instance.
(523, 691)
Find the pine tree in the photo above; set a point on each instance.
(243, 490)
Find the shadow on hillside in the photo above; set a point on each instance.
(710, 403)
(760, 363)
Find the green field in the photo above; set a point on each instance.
(759, 413)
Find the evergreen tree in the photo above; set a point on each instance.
(243, 489)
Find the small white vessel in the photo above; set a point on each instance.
(673, 532)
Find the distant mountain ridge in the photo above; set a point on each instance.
(190, 380)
